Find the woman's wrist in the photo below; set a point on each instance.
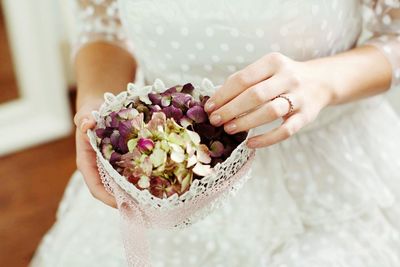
(86, 96)
(100, 68)
(352, 75)
(325, 83)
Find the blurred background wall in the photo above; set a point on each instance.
(36, 78)
(37, 154)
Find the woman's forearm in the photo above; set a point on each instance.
(102, 67)
(355, 74)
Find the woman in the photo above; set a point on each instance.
(325, 190)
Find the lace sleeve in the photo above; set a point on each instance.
(383, 21)
(98, 20)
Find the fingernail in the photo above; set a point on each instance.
(83, 124)
(253, 143)
(230, 128)
(215, 119)
(209, 106)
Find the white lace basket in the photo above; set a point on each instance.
(141, 210)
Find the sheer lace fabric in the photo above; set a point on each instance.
(383, 20)
(328, 196)
(99, 20)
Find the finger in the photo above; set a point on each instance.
(84, 122)
(83, 119)
(272, 110)
(292, 125)
(249, 100)
(86, 161)
(254, 73)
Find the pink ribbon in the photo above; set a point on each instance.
(137, 218)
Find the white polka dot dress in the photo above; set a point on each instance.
(328, 196)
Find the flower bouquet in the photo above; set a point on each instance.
(163, 161)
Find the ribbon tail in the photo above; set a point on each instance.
(134, 235)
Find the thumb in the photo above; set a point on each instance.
(84, 119)
(84, 122)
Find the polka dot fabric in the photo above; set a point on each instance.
(186, 48)
(328, 196)
(383, 20)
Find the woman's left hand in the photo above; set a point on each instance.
(250, 98)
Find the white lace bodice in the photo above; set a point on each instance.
(185, 40)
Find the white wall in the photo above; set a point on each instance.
(41, 113)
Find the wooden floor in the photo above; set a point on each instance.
(32, 183)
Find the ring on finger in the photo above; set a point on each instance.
(290, 102)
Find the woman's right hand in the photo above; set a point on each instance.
(85, 155)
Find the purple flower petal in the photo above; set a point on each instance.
(122, 145)
(104, 132)
(155, 108)
(115, 157)
(155, 98)
(114, 138)
(180, 100)
(193, 103)
(173, 112)
(112, 120)
(125, 129)
(197, 114)
(187, 88)
(170, 91)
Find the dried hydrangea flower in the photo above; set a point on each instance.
(197, 114)
(216, 149)
(163, 140)
(173, 112)
(145, 145)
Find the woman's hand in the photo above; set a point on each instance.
(85, 155)
(250, 98)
